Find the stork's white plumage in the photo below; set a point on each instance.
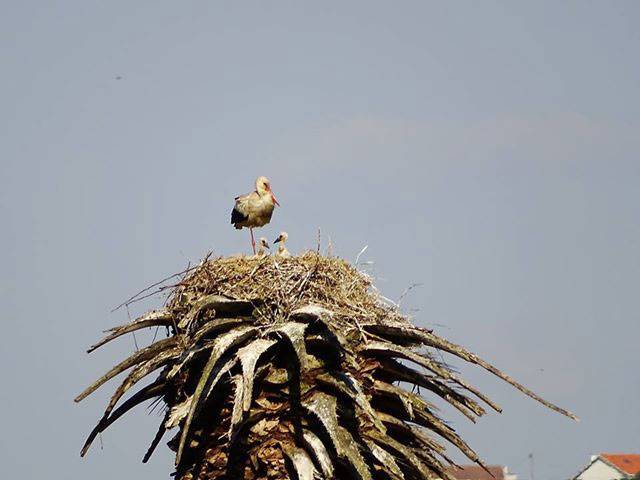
(282, 249)
(254, 209)
(263, 246)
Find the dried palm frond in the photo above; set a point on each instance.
(295, 368)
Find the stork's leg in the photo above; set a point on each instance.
(253, 241)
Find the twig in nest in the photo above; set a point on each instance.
(329, 247)
(407, 290)
(364, 249)
(135, 340)
(135, 297)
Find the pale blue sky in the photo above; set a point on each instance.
(488, 150)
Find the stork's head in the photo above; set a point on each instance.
(281, 238)
(263, 187)
(263, 242)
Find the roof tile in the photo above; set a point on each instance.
(628, 463)
(472, 472)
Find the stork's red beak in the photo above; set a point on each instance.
(273, 197)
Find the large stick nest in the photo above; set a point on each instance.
(296, 368)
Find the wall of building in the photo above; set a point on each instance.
(599, 470)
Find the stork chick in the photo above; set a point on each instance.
(263, 246)
(282, 249)
(254, 209)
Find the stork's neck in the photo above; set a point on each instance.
(265, 198)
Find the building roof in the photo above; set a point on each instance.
(473, 472)
(627, 463)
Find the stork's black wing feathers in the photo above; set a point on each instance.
(237, 216)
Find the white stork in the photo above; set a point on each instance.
(263, 246)
(282, 249)
(254, 209)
